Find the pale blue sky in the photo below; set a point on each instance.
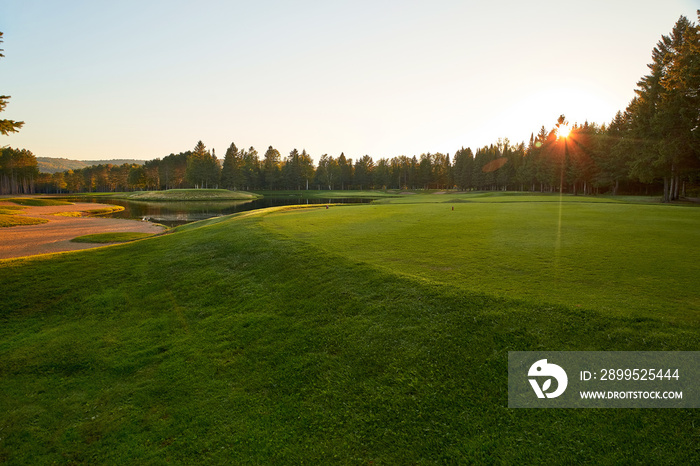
(141, 79)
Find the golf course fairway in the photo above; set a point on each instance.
(364, 334)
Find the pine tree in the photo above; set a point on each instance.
(291, 171)
(463, 165)
(7, 126)
(203, 169)
(664, 114)
(252, 175)
(381, 177)
(232, 176)
(345, 171)
(271, 168)
(18, 171)
(425, 171)
(363, 172)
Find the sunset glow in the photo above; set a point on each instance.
(378, 78)
(563, 131)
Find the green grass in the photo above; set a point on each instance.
(114, 237)
(191, 195)
(9, 217)
(11, 220)
(615, 257)
(173, 195)
(68, 214)
(105, 210)
(11, 209)
(35, 201)
(292, 337)
(336, 194)
(91, 212)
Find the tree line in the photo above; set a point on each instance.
(653, 146)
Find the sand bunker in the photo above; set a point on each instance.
(55, 236)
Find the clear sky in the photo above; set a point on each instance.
(99, 79)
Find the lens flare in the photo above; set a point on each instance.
(563, 131)
(494, 165)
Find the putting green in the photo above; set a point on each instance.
(627, 259)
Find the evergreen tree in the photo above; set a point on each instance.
(291, 171)
(413, 180)
(382, 174)
(463, 166)
(7, 126)
(441, 170)
(203, 169)
(363, 172)
(664, 114)
(400, 170)
(271, 168)
(425, 171)
(232, 176)
(252, 174)
(18, 171)
(610, 153)
(345, 171)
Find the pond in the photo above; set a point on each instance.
(174, 213)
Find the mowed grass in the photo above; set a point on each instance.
(250, 340)
(36, 201)
(91, 212)
(174, 195)
(113, 237)
(614, 257)
(191, 195)
(330, 194)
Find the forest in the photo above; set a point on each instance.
(652, 147)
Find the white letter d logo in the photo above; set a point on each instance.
(542, 369)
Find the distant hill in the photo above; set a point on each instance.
(52, 165)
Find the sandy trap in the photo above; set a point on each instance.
(55, 236)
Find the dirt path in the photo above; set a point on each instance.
(55, 236)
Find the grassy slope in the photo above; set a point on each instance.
(174, 195)
(273, 350)
(337, 194)
(621, 258)
(115, 237)
(191, 195)
(35, 201)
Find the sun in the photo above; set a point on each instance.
(563, 131)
